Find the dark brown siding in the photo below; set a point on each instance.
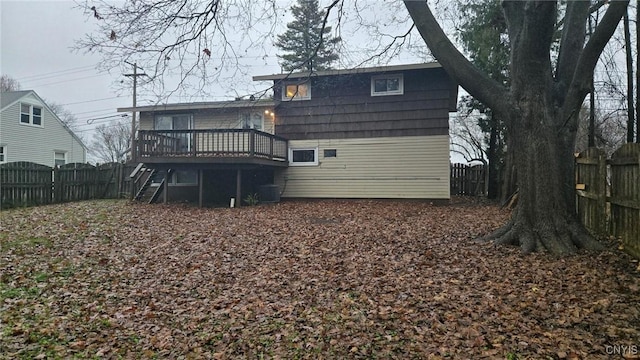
(342, 107)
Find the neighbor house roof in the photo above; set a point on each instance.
(9, 98)
(231, 104)
(377, 69)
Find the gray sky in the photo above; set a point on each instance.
(36, 38)
(35, 42)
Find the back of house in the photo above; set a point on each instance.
(365, 133)
(30, 131)
(378, 132)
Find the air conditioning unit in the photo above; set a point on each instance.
(269, 193)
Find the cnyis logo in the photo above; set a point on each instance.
(624, 350)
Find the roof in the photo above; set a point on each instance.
(377, 69)
(8, 98)
(231, 104)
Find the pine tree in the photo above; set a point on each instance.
(301, 43)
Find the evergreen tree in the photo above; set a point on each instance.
(306, 44)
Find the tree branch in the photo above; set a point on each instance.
(573, 35)
(460, 68)
(588, 59)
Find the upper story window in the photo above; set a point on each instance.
(252, 121)
(3, 154)
(30, 114)
(382, 85)
(296, 91)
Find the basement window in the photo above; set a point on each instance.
(303, 157)
(330, 153)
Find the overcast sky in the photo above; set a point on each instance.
(36, 38)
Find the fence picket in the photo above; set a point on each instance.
(28, 184)
(608, 198)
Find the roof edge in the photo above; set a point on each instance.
(377, 69)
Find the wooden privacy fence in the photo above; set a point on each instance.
(468, 179)
(608, 194)
(27, 184)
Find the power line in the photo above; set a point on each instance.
(95, 100)
(70, 80)
(75, 69)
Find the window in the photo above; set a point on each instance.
(329, 153)
(172, 122)
(251, 121)
(297, 91)
(178, 177)
(3, 154)
(60, 158)
(30, 115)
(382, 85)
(303, 157)
(185, 177)
(181, 141)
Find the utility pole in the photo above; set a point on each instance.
(133, 117)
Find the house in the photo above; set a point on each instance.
(380, 132)
(30, 131)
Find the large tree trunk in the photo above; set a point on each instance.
(544, 218)
(539, 108)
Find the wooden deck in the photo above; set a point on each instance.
(211, 146)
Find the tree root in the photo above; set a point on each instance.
(558, 235)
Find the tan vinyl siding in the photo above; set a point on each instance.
(34, 143)
(390, 167)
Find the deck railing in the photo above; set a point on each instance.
(211, 143)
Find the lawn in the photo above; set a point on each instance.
(317, 279)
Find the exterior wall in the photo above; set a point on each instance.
(342, 107)
(390, 167)
(34, 143)
(211, 118)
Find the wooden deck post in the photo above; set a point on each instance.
(200, 187)
(167, 178)
(238, 187)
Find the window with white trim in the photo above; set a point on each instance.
(60, 158)
(303, 157)
(296, 91)
(3, 154)
(30, 114)
(252, 121)
(382, 85)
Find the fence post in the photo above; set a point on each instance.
(602, 227)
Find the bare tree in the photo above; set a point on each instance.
(112, 141)
(65, 115)
(539, 108)
(7, 83)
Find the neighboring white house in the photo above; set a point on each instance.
(30, 131)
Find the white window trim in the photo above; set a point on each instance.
(3, 160)
(55, 152)
(400, 90)
(30, 123)
(315, 156)
(297, 97)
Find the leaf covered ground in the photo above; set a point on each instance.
(316, 279)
